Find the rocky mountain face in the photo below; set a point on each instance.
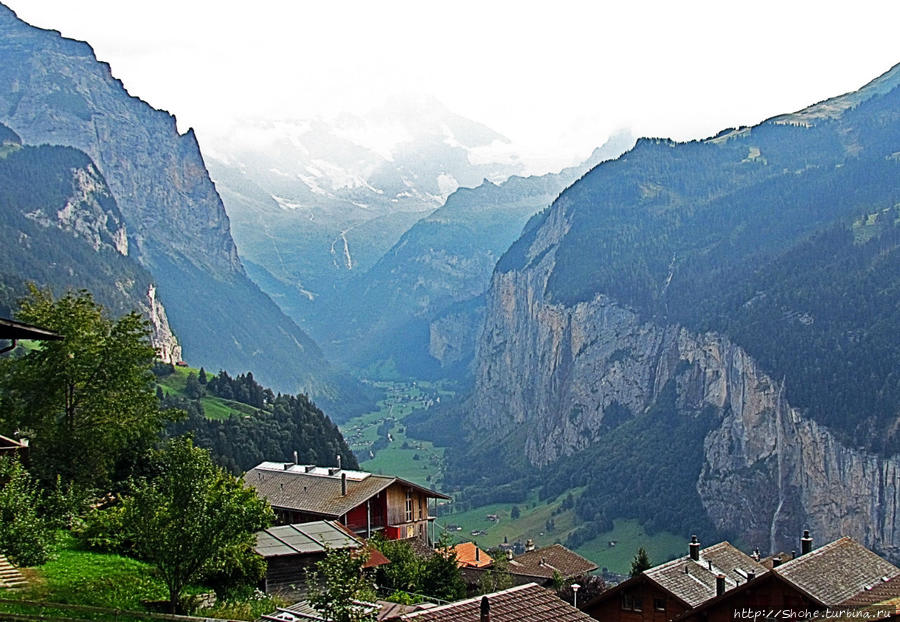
(397, 308)
(55, 91)
(65, 231)
(710, 296)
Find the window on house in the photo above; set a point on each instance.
(421, 506)
(630, 602)
(409, 505)
(659, 604)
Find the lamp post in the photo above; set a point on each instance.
(575, 588)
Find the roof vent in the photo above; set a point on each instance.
(343, 484)
(333, 470)
(776, 562)
(339, 462)
(720, 584)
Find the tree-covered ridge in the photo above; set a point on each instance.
(273, 428)
(767, 235)
(36, 186)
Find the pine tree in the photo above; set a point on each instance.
(640, 563)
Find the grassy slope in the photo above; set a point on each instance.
(213, 407)
(87, 578)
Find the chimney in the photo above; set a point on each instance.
(755, 555)
(529, 545)
(485, 610)
(343, 484)
(805, 543)
(295, 458)
(287, 466)
(776, 562)
(694, 548)
(477, 554)
(509, 554)
(750, 575)
(720, 584)
(339, 462)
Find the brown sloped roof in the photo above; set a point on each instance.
(318, 493)
(695, 582)
(524, 603)
(837, 571)
(555, 558)
(10, 329)
(881, 592)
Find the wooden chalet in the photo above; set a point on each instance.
(364, 503)
(670, 590)
(291, 550)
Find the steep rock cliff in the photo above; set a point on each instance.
(784, 234)
(768, 471)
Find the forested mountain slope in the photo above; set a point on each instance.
(63, 230)
(733, 298)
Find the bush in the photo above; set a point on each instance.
(25, 536)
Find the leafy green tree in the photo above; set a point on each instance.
(191, 515)
(337, 584)
(497, 577)
(405, 570)
(87, 402)
(24, 535)
(515, 512)
(640, 563)
(441, 577)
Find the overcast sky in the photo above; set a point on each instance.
(555, 76)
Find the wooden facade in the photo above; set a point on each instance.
(769, 592)
(637, 600)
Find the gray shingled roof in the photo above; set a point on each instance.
(837, 571)
(543, 562)
(695, 582)
(525, 603)
(303, 539)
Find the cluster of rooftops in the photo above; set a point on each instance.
(706, 584)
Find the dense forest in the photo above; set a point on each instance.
(272, 428)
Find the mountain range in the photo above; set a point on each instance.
(54, 91)
(703, 335)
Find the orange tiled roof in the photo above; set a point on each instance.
(466, 556)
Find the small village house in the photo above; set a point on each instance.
(362, 502)
(291, 550)
(711, 584)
